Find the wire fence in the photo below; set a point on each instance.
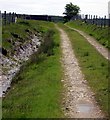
(95, 20)
(8, 18)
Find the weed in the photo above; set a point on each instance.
(103, 64)
(48, 43)
(86, 54)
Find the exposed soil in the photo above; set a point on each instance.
(79, 100)
(100, 48)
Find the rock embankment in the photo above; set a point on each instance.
(11, 65)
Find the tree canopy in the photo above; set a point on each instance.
(71, 10)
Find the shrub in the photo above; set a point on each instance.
(48, 43)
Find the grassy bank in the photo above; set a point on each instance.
(93, 66)
(101, 34)
(14, 35)
(36, 89)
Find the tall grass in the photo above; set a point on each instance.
(22, 32)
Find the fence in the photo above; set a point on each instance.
(8, 18)
(101, 22)
(41, 17)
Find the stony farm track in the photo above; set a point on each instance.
(63, 76)
(79, 100)
(101, 49)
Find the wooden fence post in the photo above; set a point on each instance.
(104, 21)
(96, 22)
(109, 21)
(9, 17)
(86, 17)
(13, 17)
(91, 16)
(4, 17)
(0, 15)
(0, 36)
(93, 20)
(101, 22)
(0, 19)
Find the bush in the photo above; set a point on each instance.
(48, 43)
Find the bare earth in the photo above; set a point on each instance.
(102, 50)
(79, 100)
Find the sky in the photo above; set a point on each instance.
(54, 7)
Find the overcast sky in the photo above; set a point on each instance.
(54, 7)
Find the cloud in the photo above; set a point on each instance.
(93, 7)
(53, 7)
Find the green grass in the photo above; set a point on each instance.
(93, 65)
(36, 90)
(22, 32)
(102, 35)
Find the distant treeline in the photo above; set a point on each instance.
(41, 17)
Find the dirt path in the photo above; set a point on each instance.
(100, 48)
(79, 101)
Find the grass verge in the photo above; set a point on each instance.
(36, 90)
(101, 34)
(15, 35)
(93, 66)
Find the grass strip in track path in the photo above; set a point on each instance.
(100, 48)
(101, 34)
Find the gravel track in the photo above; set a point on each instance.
(79, 100)
(100, 48)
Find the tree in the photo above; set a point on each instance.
(71, 10)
